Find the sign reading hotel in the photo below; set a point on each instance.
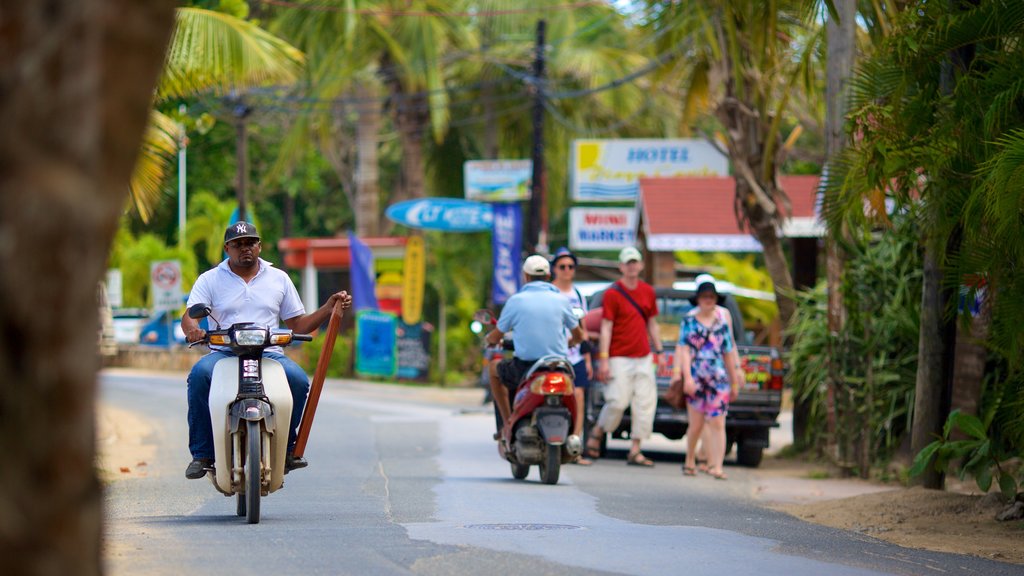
(497, 180)
(610, 170)
(602, 228)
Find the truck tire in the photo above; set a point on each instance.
(749, 455)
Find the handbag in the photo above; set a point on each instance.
(676, 396)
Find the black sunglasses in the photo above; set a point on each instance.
(238, 244)
(566, 266)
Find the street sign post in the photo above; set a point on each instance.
(165, 284)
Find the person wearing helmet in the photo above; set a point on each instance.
(538, 317)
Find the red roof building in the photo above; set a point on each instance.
(698, 214)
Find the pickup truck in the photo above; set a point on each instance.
(750, 416)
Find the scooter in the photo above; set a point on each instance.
(250, 407)
(543, 414)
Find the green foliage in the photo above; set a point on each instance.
(133, 255)
(307, 355)
(742, 271)
(937, 120)
(876, 355)
(980, 451)
(459, 273)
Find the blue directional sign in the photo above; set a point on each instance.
(447, 214)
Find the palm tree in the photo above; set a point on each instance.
(939, 126)
(387, 55)
(73, 111)
(747, 59)
(209, 52)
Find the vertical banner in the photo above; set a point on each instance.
(413, 351)
(364, 290)
(376, 348)
(413, 273)
(507, 243)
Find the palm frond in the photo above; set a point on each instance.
(159, 146)
(215, 51)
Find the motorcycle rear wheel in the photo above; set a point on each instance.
(551, 465)
(252, 472)
(520, 471)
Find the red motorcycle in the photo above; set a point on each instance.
(543, 414)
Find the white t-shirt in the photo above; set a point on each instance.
(575, 300)
(266, 300)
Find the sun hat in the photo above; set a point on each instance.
(629, 254)
(240, 230)
(706, 283)
(536, 265)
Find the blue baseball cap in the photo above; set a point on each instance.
(563, 252)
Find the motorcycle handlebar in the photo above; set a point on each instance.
(302, 337)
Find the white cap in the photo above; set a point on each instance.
(628, 254)
(536, 265)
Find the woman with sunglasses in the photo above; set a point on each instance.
(563, 270)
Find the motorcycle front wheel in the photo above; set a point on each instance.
(252, 473)
(520, 471)
(552, 464)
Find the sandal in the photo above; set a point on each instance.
(593, 448)
(689, 471)
(638, 459)
(581, 461)
(718, 475)
(702, 466)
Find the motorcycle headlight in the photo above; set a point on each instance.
(250, 337)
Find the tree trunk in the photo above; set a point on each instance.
(778, 269)
(841, 57)
(411, 115)
(930, 388)
(969, 363)
(411, 123)
(76, 83)
(367, 208)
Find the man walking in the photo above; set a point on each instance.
(624, 362)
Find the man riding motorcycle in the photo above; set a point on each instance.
(246, 288)
(539, 318)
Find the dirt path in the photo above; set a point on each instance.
(961, 521)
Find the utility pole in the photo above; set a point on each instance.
(241, 112)
(182, 147)
(538, 202)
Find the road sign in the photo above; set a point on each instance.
(448, 214)
(165, 284)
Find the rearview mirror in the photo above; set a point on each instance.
(198, 311)
(483, 316)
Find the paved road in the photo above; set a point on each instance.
(405, 481)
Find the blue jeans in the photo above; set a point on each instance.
(200, 430)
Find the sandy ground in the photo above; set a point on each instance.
(958, 521)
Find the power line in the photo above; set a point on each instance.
(425, 13)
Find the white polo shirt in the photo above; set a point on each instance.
(266, 300)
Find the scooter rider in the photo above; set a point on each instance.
(246, 288)
(538, 317)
